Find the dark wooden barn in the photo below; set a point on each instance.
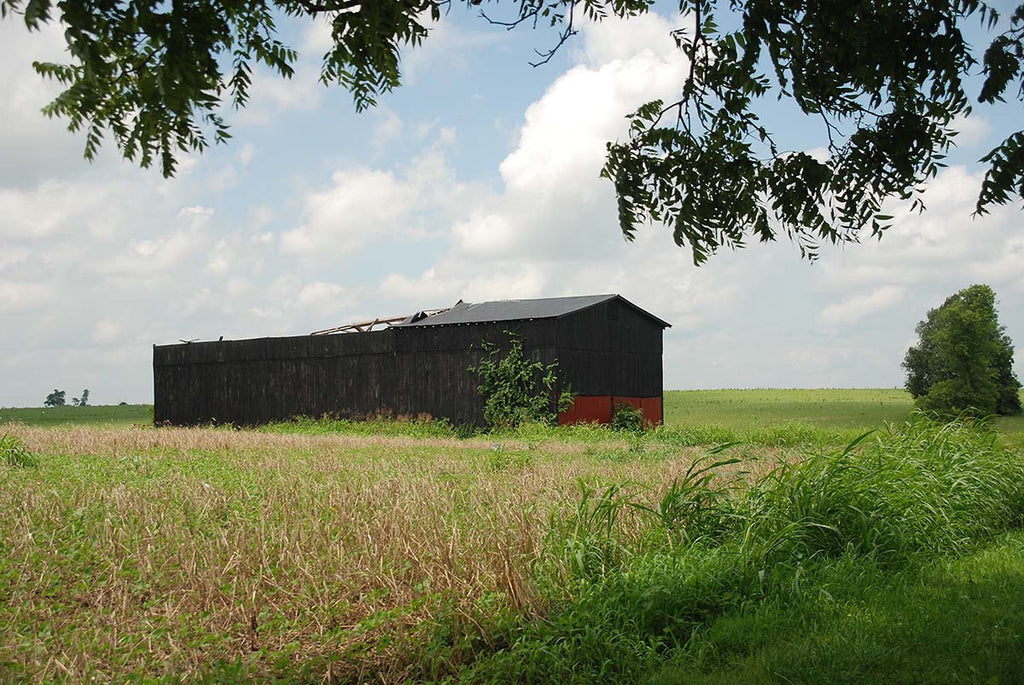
(607, 348)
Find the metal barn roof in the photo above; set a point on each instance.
(512, 310)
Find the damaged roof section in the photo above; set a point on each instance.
(367, 326)
(492, 312)
(517, 310)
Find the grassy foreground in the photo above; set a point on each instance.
(948, 621)
(207, 554)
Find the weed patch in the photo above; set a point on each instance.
(415, 427)
(13, 453)
(641, 590)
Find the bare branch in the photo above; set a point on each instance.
(534, 15)
(329, 6)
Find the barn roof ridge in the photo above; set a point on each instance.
(513, 310)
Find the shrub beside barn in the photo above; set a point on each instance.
(608, 350)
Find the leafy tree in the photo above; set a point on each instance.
(963, 361)
(55, 399)
(517, 390)
(83, 401)
(883, 80)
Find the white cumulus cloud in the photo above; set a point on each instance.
(857, 307)
(551, 180)
(359, 204)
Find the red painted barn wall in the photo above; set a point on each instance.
(599, 409)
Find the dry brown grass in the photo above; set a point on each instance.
(156, 552)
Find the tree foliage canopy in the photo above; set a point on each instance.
(55, 399)
(887, 80)
(963, 360)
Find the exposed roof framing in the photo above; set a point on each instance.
(487, 312)
(367, 326)
(515, 310)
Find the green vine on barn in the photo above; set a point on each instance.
(517, 390)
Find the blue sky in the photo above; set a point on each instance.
(477, 180)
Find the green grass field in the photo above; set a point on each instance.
(103, 415)
(316, 551)
(829, 408)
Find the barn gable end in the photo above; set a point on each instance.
(608, 350)
(612, 352)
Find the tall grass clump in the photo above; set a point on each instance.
(412, 427)
(794, 434)
(695, 507)
(922, 487)
(646, 574)
(787, 435)
(694, 435)
(587, 543)
(14, 453)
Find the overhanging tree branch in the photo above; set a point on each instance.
(887, 78)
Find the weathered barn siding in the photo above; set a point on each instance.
(248, 382)
(608, 350)
(611, 349)
(433, 365)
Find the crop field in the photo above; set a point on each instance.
(828, 409)
(112, 415)
(758, 547)
(824, 408)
